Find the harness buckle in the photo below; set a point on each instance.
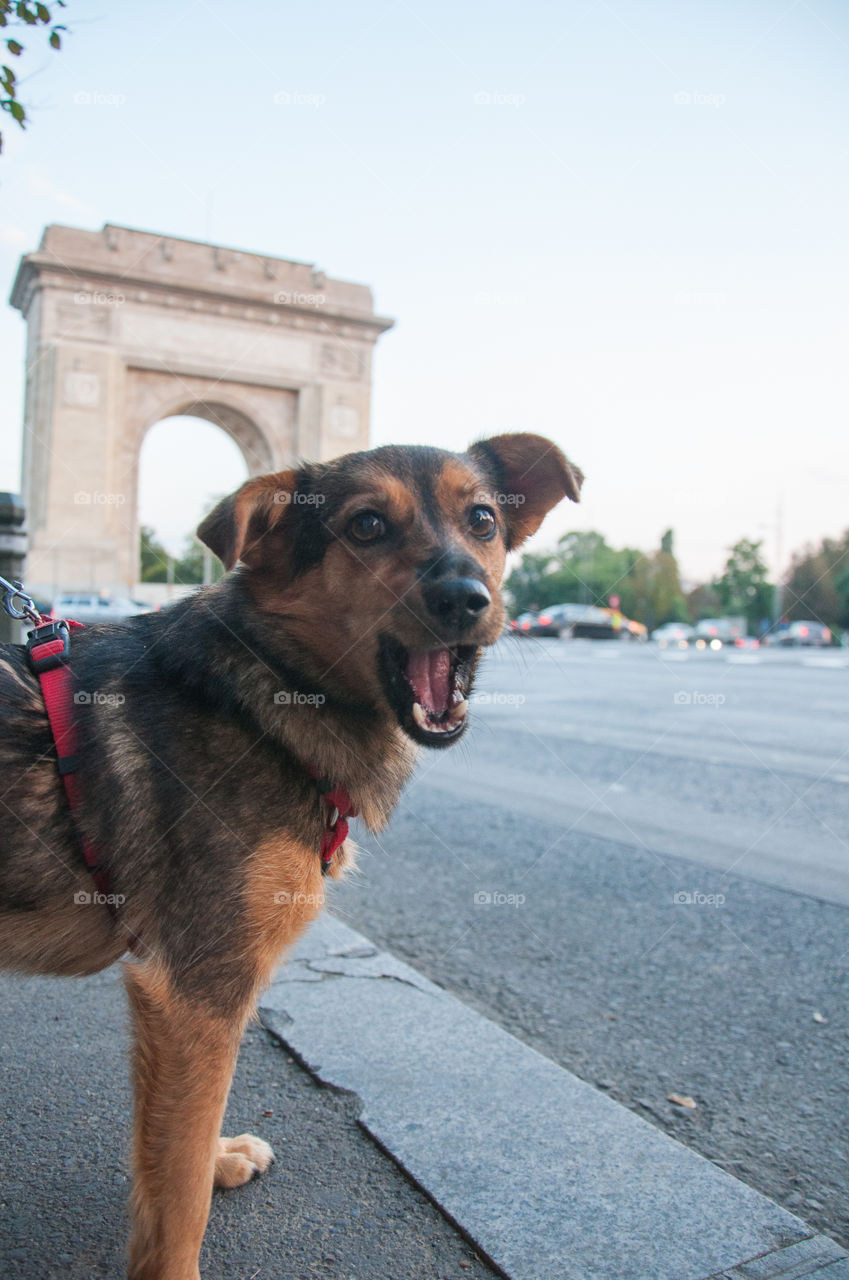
(49, 646)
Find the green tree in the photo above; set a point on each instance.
(817, 585)
(190, 567)
(187, 569)
(668, 601)
(703, 602)
(743, 589)
(840, 578)
(15, 17)
(525, 581)
(588, 570)
(635, 591)
(154, 557)
(652, 593)
(584, 569)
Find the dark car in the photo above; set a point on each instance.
(595, 623)
(547, 622)
(562, 619)
(806, 633)
(555, 620)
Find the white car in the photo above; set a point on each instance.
(713, 633)
(673, 635)
(90, 606)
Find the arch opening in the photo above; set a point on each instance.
(187, 462)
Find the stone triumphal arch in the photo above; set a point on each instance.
(125, 328)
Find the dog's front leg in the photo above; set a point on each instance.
(182, 1067)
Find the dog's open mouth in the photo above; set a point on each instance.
(428, 689)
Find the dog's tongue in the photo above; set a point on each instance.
(430, 677)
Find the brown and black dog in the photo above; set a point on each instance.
(348, 635)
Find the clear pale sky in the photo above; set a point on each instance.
(622, 223)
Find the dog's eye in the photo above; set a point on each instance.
(366, 526)
(482, 522)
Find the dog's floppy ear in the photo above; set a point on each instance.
(234, 529)
(531, 476)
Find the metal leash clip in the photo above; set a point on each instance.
(13, 591)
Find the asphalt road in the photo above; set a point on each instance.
(331, 1207)
(638, 864)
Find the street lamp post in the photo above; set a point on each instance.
(13, 551)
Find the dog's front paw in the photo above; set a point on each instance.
(240, 1159)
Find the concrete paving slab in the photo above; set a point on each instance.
(550, 1178)
(807, 1258)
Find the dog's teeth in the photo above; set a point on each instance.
(455, 716)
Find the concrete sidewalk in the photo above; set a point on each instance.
(332, 1207)
(552, 1179)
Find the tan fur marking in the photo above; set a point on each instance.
(283, 893)
(182, 1066)
(388, 495)
(459, 482)
(63, 937)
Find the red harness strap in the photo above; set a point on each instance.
(340, 808)
(49, 651)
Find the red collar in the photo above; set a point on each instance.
(340, 807)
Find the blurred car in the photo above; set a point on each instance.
(747, 643)
(673, 635)
(90, 606)
(636, 630)
(522, 625)
(586, 621)
(548, 623)
(806, 633)
(552, 621)
(559, 618)
(595, 623)
(713, 633)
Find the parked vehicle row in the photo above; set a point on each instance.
(715, 633)
(709, 633)
(578, 621)
(91, 606)
(593, 622)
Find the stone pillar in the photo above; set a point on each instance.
(13, 549)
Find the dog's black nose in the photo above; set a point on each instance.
(458, 602)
